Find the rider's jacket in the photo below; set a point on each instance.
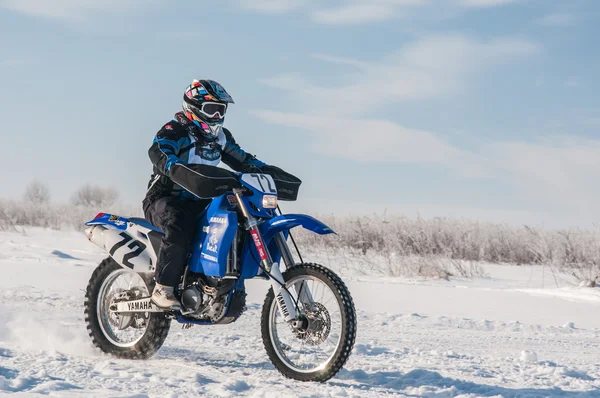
(181, 141)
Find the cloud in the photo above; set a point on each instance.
(363, 11)
(271, 6)
(353, 13)
(557, 20)
(347, 12)
(376, 141)
(556, 172)
(340, 60)
(486, 3)
(432, 67)
(70, 9)
(559, 169)
(428, 68)
(390, 142)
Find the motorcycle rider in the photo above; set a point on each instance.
(195, 136)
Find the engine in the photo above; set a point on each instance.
(192, 299)
(206, 298)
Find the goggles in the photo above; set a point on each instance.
(213, 110)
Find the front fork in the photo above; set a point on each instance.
(285, 301)
(300, 289)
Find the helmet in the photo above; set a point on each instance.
(205, 103)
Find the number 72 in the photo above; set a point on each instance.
(260, 177)
(136, 244)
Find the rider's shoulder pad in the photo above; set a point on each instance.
(172, 130)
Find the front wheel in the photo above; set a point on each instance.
(317, 344)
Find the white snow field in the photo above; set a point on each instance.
(512, 334)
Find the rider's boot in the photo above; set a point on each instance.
(164, 298)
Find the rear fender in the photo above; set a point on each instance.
(109, 220)
(126, 242)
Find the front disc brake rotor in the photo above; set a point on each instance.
(319, 325)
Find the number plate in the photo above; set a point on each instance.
(136, 247)
(261, 182)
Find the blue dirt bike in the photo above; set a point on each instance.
(308, 320)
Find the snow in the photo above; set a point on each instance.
(528, 356)
(520, 332)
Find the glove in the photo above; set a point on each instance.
(172, 161)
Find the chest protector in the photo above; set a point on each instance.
(203, 150)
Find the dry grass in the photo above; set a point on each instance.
(397, 246)
(56, 216)
(444, 247)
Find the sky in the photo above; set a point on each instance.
(478, 109)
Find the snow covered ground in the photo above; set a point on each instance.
(521, 332)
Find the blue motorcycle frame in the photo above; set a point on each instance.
(133, 242)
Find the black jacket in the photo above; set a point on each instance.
(184, 157)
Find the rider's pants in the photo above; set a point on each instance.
(178, 220)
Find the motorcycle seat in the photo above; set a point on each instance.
(144, 223)
(154, 236)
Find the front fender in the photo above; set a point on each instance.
(286, 222)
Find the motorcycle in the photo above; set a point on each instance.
(308, 321)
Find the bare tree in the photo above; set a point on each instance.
(37, 193)
(95, 196)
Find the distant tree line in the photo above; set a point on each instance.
(37, 208)
(38, 193)
(393, 246)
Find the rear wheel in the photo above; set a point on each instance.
(129, 336)
(316, 345)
